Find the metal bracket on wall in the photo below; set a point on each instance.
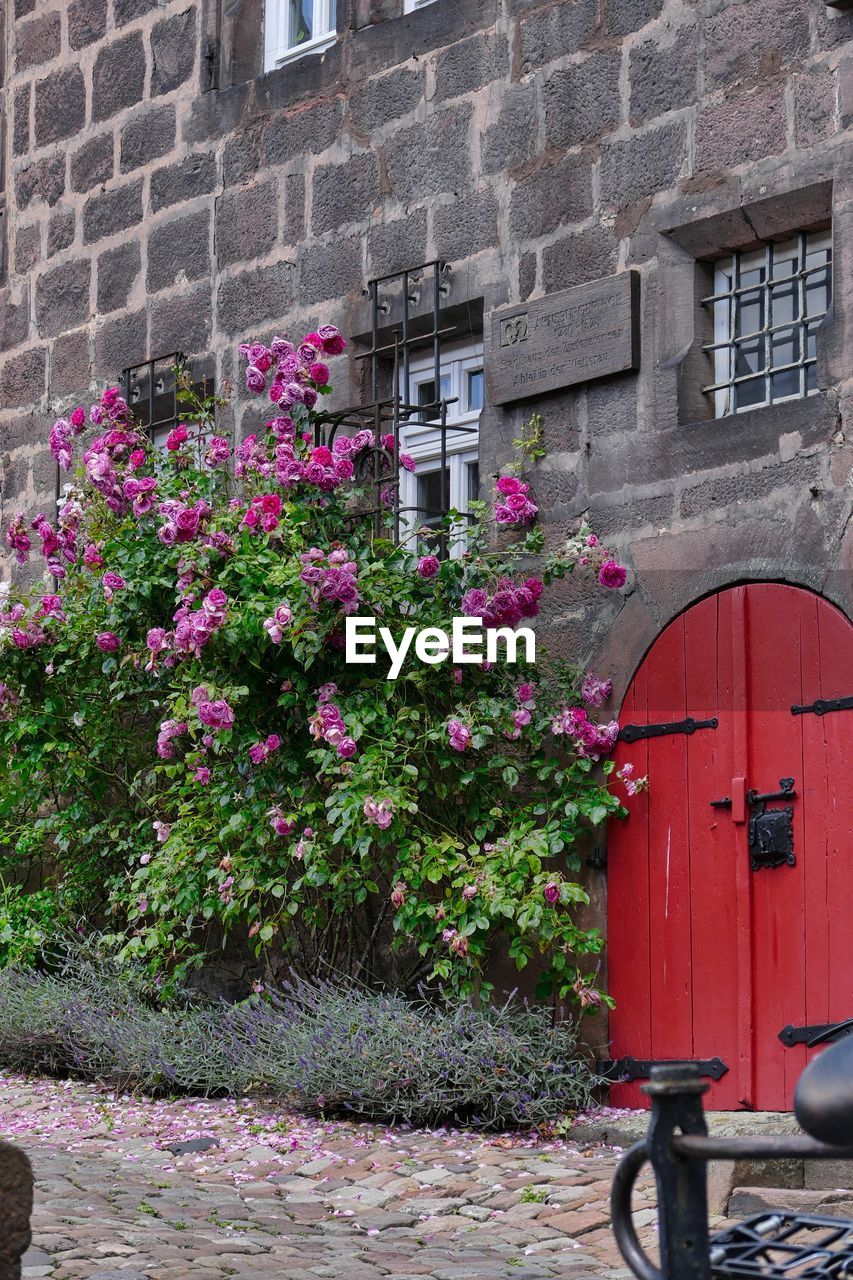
(634, 732)
(211, 63)
(617, 1070)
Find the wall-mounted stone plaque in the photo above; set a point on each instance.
(587, 332)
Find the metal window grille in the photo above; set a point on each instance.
(151, 391)
(767, 306)
(393, 348)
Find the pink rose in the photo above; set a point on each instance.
(176, 437)
(612, 575)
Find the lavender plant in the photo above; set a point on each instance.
(336, 1049)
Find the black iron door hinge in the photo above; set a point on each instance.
(617, 1070)
(820, 1033)
(633, 732)
(822, 706)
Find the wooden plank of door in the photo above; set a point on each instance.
(713, 855)
(775, 620)
(628, 909)
(816, 789)
(734, 635)
(828, 812)
(669, 851)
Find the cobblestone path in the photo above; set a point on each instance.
(281, 1196)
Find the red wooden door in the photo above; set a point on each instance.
(708, 957)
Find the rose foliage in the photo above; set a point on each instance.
(188, 758)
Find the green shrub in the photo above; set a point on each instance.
(186, 753)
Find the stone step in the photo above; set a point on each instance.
(623, 1128)
(746, 1201)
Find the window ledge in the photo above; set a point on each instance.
(318, 45)
(812, 416)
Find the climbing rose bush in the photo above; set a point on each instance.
(188, 758)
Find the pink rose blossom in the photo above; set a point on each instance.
(398, 895)
(459, 735)
(176, 437)
(612, 575)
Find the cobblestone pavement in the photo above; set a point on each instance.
(281, 1196)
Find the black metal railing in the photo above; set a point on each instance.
(677, 1145)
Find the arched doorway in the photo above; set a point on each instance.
(730, 917)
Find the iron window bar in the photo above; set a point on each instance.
(387, 414)
(766, 294)
(145, 388)
(151, 390)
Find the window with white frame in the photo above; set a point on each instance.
(767, 307)
(434, 489)
(297, 27)
(411, 5)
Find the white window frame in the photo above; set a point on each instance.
(422, 441)
(727, 275)
(411, 6)
(278, 50)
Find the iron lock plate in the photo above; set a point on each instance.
(771, 831)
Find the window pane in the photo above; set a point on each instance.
(749, 357)
(750, 313)
(432, 503)
(784, 347)
(784, 303)
(784, 385)
(426, 390)
(749, 394)
(817, 293)
(785, 260)
(811, 345)
(427, 397)
(751, 277)
(301, 22)
(785, 350)
(432, 508)
(473, 470)
(475, 390)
